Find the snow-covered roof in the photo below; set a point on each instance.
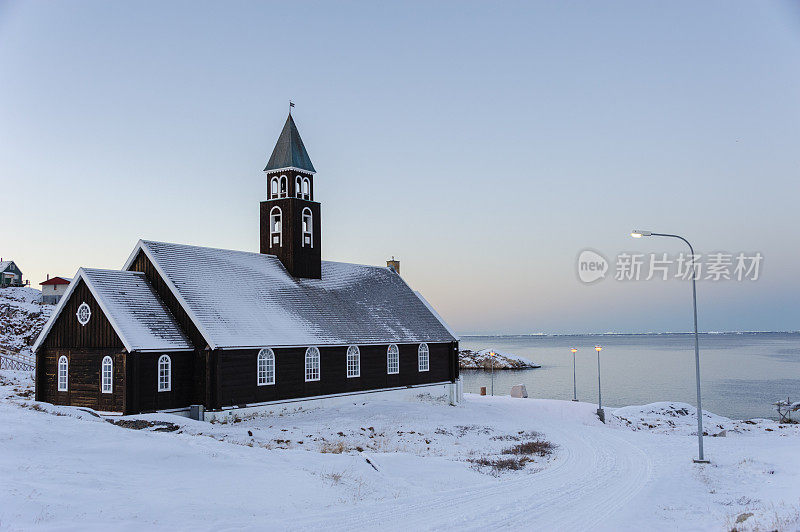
(242, 299)
(56, 280)
(139, 317)
(5, 264)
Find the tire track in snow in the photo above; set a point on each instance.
(595, 474)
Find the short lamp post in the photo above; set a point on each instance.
(574, 384)
(600, 412)
(639, 234)
(491, 355)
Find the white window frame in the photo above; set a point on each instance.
(164, 373)
(423, 357)
(276, 227)
(353, 362)
(306, 188)
(313, 364)
(298, 187)
(107, 375)
(274, 187)
(307, 228)
(392, 360)
(283, 187)
(265, 367)
(63, 374)
(84, 313)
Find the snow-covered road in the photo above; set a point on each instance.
(596, 473)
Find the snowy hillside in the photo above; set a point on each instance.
(494, 463)
(22, 316)
(468, 359)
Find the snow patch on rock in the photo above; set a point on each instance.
(22, 317)
(468, 359)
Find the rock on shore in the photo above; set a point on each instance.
(468, 359)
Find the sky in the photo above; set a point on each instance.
(484, 144)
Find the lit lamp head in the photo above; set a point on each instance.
(574, 350)
(491, 353)
(639, 234)
(598, 348)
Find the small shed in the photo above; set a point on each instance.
(10, 274)
(53, 288)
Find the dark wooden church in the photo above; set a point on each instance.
(213, 329)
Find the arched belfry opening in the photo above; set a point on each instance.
(295, 239)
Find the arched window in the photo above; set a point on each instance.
(284, 186)
(423, 357)
(393, 360)
(298, 187)
(353, 361)
(307, 188)
(107, 375)
(266, 367)
(273, 188)
(312, 364)
(63, 373)
(164, 373)
(275, 223)
(308, 238)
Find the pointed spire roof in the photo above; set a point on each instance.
(289, 151)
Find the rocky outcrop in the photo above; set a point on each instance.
(468, 359)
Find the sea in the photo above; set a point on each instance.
(742, 374)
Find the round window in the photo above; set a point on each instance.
(84, 313)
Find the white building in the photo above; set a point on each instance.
(53, 289)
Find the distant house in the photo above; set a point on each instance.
(53, 289)
(10, 274)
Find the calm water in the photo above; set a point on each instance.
(742, 373)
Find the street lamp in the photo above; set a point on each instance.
(491, 355)
(639, 234)
(574, 385)
(600, 412)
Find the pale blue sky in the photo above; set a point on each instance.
(484, 144)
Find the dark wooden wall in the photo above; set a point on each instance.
(67, 332)
(142, 378)
(83, 378)
(238, 381)
(84, 346)
(299, 261)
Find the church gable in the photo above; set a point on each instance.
(68, 331)
(111, 308)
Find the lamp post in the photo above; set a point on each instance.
(574, 385)
(491, 354)
(639, 234)
(600, 412)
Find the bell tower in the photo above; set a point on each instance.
(290, 223)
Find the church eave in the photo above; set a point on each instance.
(289, 169)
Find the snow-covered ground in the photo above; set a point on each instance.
(468, 359)
(392, 465)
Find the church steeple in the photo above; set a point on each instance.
(290, 218)
(289, 152)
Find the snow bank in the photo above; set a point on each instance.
(681, 418)
(469, 359)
